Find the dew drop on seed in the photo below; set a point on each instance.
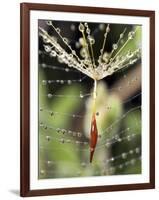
(53, 53)
(115, 46)
(121, 35)
(47, 48)
(58, 30)
(49, 23)
(81, 27)
(107, 29)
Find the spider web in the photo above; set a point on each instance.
(64, 113)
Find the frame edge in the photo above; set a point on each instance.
(24, 91)
(24, 100)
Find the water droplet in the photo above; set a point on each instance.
(91, 40)
(77, 44)
(49, 162)
(137, 150)
(131, 152)
(81, 95)
(51, 113)
(62, 140)
(58, 130)
(120, 166)
(63, 131)
(53, 53)
(112, 159)
(131, 62)
(62, 81)
(44, 82)
(132, 161)
(86, 24)
(108, 29)
(122, 41)
(107, 144)
(79, 134)
(83, 164)
(58, 30)
(49, 96)
(116, 137)
(97, 113)
(111, 60)
(73, 52)
(74, 134)
(67, 70)
(45, 39)
(49, 81)
(69, 82)
(73, 27)
(41, 109)
(65, 40)
(77, 142)
(81, 27)
(99, 136)
(43, 65)
(101, 27)
(115, 46)
(48, 138)
(69, 132)
(49, 23)
(85, 143)
(129, 138)
(68, 140)
(121, 35)
(47, 48)
(131, 35)
(108, 107)
(124, 155)
(119, 139)
(42, 172)
(88, 31)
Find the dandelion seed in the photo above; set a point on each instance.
(108, 63)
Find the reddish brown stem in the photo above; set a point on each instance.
(93, 136)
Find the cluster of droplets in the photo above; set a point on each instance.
(117, 138)
(108, 144)
(108, 63)
(124, 162)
